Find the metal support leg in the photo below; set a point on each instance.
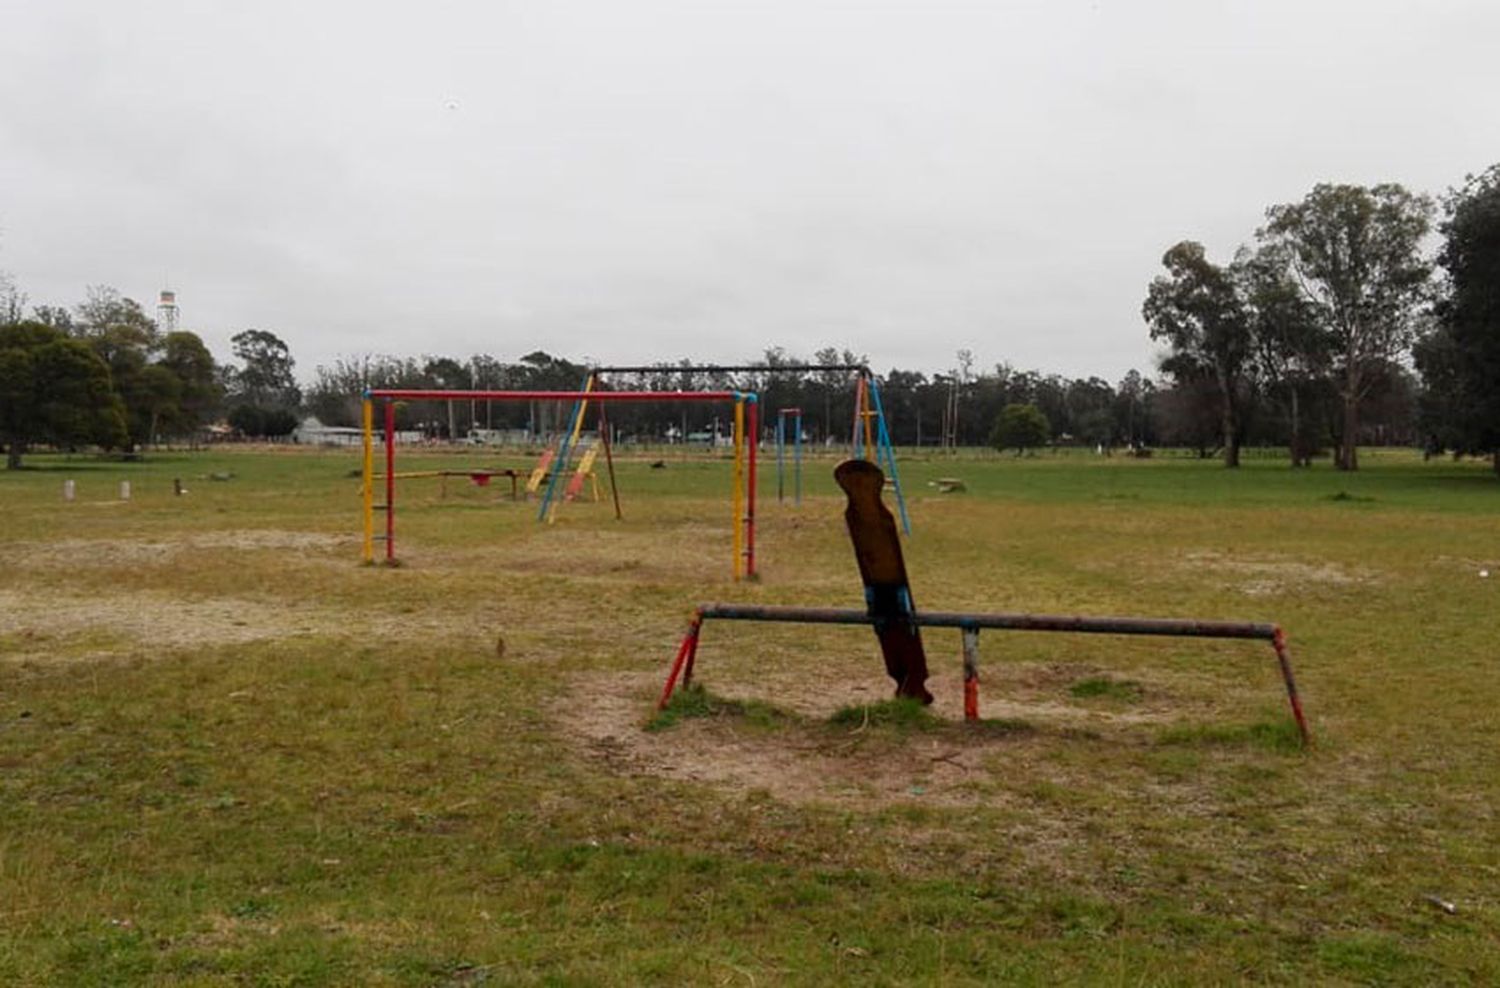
(971, 674)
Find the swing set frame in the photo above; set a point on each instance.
(746, 423)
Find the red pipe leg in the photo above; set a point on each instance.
(754, 430)
(688, 646)
(1284, 660)
(390, 481)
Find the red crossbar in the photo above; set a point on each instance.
(420, 395)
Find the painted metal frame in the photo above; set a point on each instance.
(747, 411)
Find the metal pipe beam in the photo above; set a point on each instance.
(1181, 627)
(428, 395)
(735, 369)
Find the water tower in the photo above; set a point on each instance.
(166, 311)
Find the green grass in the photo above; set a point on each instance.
(694, 701)
(229, 754)
(1107, 687)
(901, 714)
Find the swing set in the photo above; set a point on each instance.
(869, 439)
(746, 423)
(870, 436)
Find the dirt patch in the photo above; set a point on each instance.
(1266, 575)
(805, 760)
(110, 553)
(45, 627)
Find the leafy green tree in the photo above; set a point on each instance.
(1020, 427)
(1197, 310)
(1292, 349)
(265, 378)
(126, 339)
(1356, 255)
(12, 299)
(55, 390)
(189, 360)
(1461, 360)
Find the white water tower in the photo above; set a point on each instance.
(166, 311)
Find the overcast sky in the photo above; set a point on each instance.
(634, 180)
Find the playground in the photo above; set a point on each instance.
(233, 752)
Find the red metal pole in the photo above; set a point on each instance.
(692, 654)
(390, 481)
(753, 427)
(689, 644)
(1279, 643)
(971, 673)
(614, 488)
(406, 394)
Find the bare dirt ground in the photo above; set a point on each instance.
(807, 760)
(1260, 576)
(76, 553)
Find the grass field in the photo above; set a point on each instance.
(231, 754)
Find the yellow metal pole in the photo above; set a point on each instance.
(367, 490)
(739, 486)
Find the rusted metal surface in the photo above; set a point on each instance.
(971, 674)
(877, 550)
(423, 394)
(1179, 627)
(970, 623)
(734, 369)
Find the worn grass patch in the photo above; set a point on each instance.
(229, 754)
(1107, 687)
(694, 700)
(899, 713)
(1269, 735)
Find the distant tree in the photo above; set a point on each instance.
(53, 389)
(262, 423)
(58, 318)
(1356, 255)
(1461, 359)
(1020, 427)
(186, 357)
(126, 339)
(1197, 310)
(265, 377)
(1091, 411)
(1291, 347)
(12, 300)
(447, 374)
(113, 323)
(1133, 396)
(1187, 414)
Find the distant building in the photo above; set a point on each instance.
(311, 432)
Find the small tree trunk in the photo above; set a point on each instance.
(1296, 429)
(1231, 430)
(1495, 459)
(14, 450)
(1348, 443)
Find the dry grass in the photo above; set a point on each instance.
(228, 753)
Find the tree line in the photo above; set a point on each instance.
(1333, 329)
(1335, 314)
(103, 373)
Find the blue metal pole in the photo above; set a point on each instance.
(780, 457)
(560, 463)
(797, 457)
(884, 446)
